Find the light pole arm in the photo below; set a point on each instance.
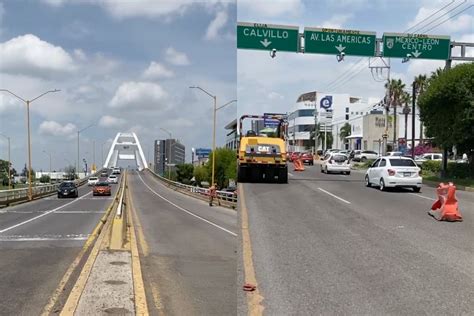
(50, 91)
(209, 94)
(226, 104)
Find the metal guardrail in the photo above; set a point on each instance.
(118, 235)
(17, 195)
(224, 198)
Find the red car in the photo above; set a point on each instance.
(101, 188)
(294, 156)
(307, 158)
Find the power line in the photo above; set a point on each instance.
(439, 10)
(472, 5)
(437, 19)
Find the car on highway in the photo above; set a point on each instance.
(390, 172)
(102, 188)
(307, 158)
(116, 171)
(104, 174)
(336, 162)
(112, 179)
(92, 181)
(68, 189)
(366, 155)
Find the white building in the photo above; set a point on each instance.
(367, 120)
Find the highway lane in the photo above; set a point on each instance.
(188, 250)
(38, 242)
(326, 244)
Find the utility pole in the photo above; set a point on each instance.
(316, 130)
(413, 103)
(444, 167)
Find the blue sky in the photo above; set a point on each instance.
(273, 85)
(121, 65)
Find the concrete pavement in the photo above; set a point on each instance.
(326, 244)
(188, 250)
(38, 241)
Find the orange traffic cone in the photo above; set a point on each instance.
(298, 164)
(446, 207)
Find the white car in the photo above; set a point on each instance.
(395, 153)
(112, 179)
(389, 172)
(366, 155)
(92, 181)
(336, 162)
(116, 171)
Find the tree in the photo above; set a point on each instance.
(200, 174)
(421, 83)
(70, 172)
(447, 108)
(395, 88)
(344, 132)
(226, 166)
(330, 139)
(44, 179)
(184, 173)
(406, 99)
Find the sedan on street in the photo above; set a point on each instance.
(366, 155)
(102, 188)
(112, 179)
(336, 162)
(390, 172)
(92, 181)
(67, 189)
(307, 158)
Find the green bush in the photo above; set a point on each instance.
(44, 179)
(366, 164)
(458, 170)
(432, 166)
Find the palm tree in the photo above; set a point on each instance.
(421, 83)
(395, 91)
(406, 99)
(344, 132)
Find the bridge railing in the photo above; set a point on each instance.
(17, 195)
(223, 198)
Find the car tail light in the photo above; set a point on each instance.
(391, 172)
(419, 173)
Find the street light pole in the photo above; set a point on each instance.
(28, 102)
(50, 168)
(9, 162)
(214, 97)
(169, 151)
(78, 132)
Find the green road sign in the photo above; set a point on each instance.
(334, 42)
(267, 37)
(416, 45)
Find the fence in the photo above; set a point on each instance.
(17, 195)
(224, 198)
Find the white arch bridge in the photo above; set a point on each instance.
(126, 146)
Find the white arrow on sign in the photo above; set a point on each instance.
(416, 53)
(340, 48)
(265, 42)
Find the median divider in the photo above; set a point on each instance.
(224, 198)
(110, 281)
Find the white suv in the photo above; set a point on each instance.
(92, 181)
(366, 155)
(390, 171)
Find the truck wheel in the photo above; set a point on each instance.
(283, 175)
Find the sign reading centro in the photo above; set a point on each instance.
(267, 37)
(334, 41)
(416, 46)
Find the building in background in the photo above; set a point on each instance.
(163, 151)
(232, 139)
(202, 156)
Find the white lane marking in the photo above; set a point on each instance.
(89, 199)
(186, 211)
(58, 212)
(335, 196)
(45, 238)
(423, 197)
(290, 174)
(44, 214)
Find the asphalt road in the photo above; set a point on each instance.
(189, 254)
(38, 242)
(327, 245)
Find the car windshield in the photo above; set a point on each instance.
(402, 163)
(102, 184)
(93, 178)
(339, 158)
(66, 185)
(113, 177)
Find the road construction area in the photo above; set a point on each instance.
(325, 244)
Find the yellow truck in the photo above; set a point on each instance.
(262, 157)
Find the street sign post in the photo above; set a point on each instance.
(267, 37)
(335, 42)
(421, 46)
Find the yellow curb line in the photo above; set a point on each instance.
(141, 307)
(65, 279)
(254, 298)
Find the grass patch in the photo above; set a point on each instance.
(463, 182)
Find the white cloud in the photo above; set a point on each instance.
(138, 94)
(179, 123)
(29, 55)
(156, 71)
(111, 121)
(266, 9)
(175, 57)
(337, 21)
(274, 96)
(56, 129)
(461, 23)
(216, 25)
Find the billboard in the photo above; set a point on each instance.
(271, 122)
(203, 152)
